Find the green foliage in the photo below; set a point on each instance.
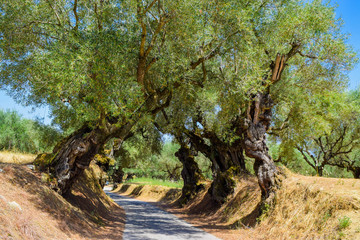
(142, 162)
(23, 135)
(137, 157)
(344, 222)
(158, 182)
(310, 89)
(332, 143)
(204, 165)
(265, 210)
(168, 163)
(84, 61)
(41, 42)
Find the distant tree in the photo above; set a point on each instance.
(331, 149)
(338, 145)
(350, 162)
(325, 142)
(14, 132)
(47, 136)
(168, 162)
(24, 135)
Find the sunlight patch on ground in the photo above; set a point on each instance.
(17, 158)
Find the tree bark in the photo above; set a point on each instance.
(227, 162)
(257, 121)
(190, 173)
(228, 157)
(231, 163)
(319, 170)
(74, 154)
(222, 155)
(256, 125)
(356, 172)
(117, 177)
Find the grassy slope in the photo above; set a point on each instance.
(307, 208)
(156, 182)
(314, 207)
(85, 214)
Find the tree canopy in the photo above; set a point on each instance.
(228, 72)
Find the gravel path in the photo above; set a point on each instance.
(147, 222)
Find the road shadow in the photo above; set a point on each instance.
(154, 222)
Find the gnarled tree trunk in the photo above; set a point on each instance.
(319, 170)
(74, 154)
(190, 173)
(227, 162)
(117, 177)
(256, 124)
(231, 163)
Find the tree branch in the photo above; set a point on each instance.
(306, 55)
(280, 62)
(149, 7)
(154, 37)
(305, 157)
(56, 13)
(76, 15)
(212, 53)
(97, 16)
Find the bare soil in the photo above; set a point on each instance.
(29, 209)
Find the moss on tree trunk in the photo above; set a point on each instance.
(190, 173)
(223, 185)
(227, 161)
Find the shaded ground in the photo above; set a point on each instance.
(145, 221)
(31, 210)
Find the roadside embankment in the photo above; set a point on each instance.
(29, 209)
(306, 208)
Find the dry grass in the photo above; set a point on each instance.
(16, 158)
(311, 208)
(46, 215)
(306, 208)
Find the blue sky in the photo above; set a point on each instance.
(348, 10)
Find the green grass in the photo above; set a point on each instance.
(344, 223)
(157, 182)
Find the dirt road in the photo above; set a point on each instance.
(147, 222)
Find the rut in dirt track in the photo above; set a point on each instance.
(147, 222)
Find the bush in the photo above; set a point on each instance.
(24, 135)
